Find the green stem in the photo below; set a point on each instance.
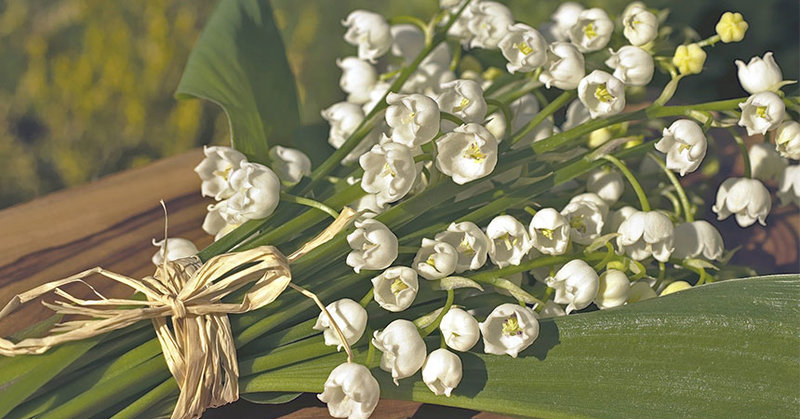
(548, 110)
(631, 179)
(452, 118)
(365, 300)
(309, 203)
(688, 211)
(447, 304)
(743, 151)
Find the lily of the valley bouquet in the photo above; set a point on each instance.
(501, 201)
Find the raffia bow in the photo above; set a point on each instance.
(199, 347)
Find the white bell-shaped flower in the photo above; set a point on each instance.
(551, 309)
(606, 183)
(576, 285)
(564, 68)
(414, 118)
(488, 24)
(403, 349)
(633, 65)
(396, 288)
(748, 199)
(509, 241)
(647, 233)
(524, 48)
(369, 32)
(442, 372)
(789, 186)
(613, 290)
(577, 114)
(367, 206)
(640, 26)
(349, 316)
(215, 170)
(762, 112)
(524, 109)
(616, 218)
(389, 172)
(464, 99)
(467, 153)
(565, 16)
(460, 28)
(685, 145)
(592, 31)
(765, 162)
(787, 140)
(351, 392)
(469, 241)
(374, 246)
(586, 220)
(550, 232)
(214, 223)
(358, 78)
(431, 74)
(257, 193)
(698, 239)
(376, 95)
(760, 75)
(602, 94)
(435, 259)
(290, 164)
(509, 329)
(407, 41)
(459, 329)
(591, 198)
(344, 118)
(176, 248)
(640, 291)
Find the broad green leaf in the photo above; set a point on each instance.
(239, 63)
(728, 349)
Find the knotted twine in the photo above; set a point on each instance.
(199, 348)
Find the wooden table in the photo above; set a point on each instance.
(111, 223)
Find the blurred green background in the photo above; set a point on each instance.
(86, 85)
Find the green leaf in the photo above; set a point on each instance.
(270, 397)
(728, 349)
(239, 63)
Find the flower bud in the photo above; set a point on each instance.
(684, 144)
(564, 67)
(787, 140)
(215, 169)
(524, 48)
(374, 246)
(762, 112)
(435, 259)
(414, 118)
(550, 232)
(592, 31)
(675, 287)
(760, 75)
(640, 291)
(389, 172)
(509, 241)
(765, 162)
(469, 241)
(351, 392)
(257, 193)
(789, 186)
(509, 329)
(731, 27)
(467, 153)
(613, 289)
(577, 114)
(607, 184)
(602, 93)
(632, 65)
(369, 32)
(464, 99)
(442, 372)
(585, 221)
(403, 349)
(407, 41)
(647, 233)
(488, 24)
(290, 164)
(576, 284)
(177, 248)
(358, 78)
(698, 239)
(747, 198)
(617, 217)
(396, 288)
(640, 25)
(349, 316)
(459, 329)
(689, 59)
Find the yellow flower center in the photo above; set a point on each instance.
(465, 247)
(602, 94)
(388, 170)
(398, 285)
(474, 152)
(683, 147)
(509, 242)
(511, 326)
(761, 112)
(524, 48)
(462, 105)
(577, 223)
(590, 31)
(430, 261)
(223, 173)
(409, 118)
(547, 233)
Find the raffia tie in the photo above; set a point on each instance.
(199, 347)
